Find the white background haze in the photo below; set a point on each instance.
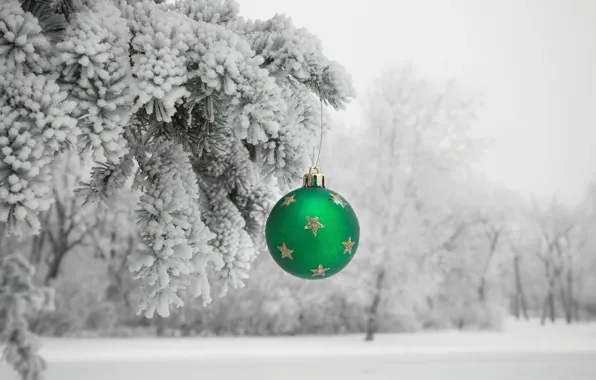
(531, 62)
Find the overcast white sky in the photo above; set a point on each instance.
(534, 62)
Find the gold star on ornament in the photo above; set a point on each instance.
(348, 245)
(337, 200)
(285, 251)
(320, 271)
(313, 224)
(288, 200)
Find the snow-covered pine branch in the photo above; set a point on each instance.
(203, 104)
(35, 119)
(93, 61)
(175, 238)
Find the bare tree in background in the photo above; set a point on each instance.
(414, 129)
(493, 232)
(568, 248)
(66, 225)
(520, 303)
(114, 236)
(70, 225)
(555, 226)
(584, 261)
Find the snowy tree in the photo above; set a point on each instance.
(586, 261)
(69, 227)
(203, 111)
(555, 227)
(415, 147)
(18, 298)
(553, 259)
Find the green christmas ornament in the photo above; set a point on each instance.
(312, 232)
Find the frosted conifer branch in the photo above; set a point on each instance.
(210, 11)
(254, 207)
(106, 180)
(194, 76)
(34, 126)
(160, 64)
(23, 47)
(175, 238)
(231, 240)
(93, 61)
(226, 64)
(297, 53)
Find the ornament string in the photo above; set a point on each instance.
(320, 140)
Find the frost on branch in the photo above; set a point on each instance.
(296, 54)
(222, 173)
(334, 85)
(254, 206)
(23, 47)
(160, 63)
(210, 11)
(176, 240)
(232, 170)
(231, 239)
(294, 57)
(226, 64)
(93, 62)
(34, 126)
(19, 297)
(283, 46)
(286, 156)
(107, 179)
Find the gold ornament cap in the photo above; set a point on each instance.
(313, 179)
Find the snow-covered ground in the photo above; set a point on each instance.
(522, 350)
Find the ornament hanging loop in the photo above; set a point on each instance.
(321, 125)
(313, 179)
(317, 179)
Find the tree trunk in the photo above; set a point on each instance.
(494, 239)
(520, 289)
(2, 233)
(54, 263)
(570, 296)
(481, 290)
(565, 303)
(524, 306)
(516, 298)
(114, 290)
(36, 249)
(514, 305)
(372, 323)
(37, 243)
(544, 308)
(161, 326)
(548, 306)
(565, 300)
(520, 296)
(579, 281)
(576, 310)
(551, 306)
